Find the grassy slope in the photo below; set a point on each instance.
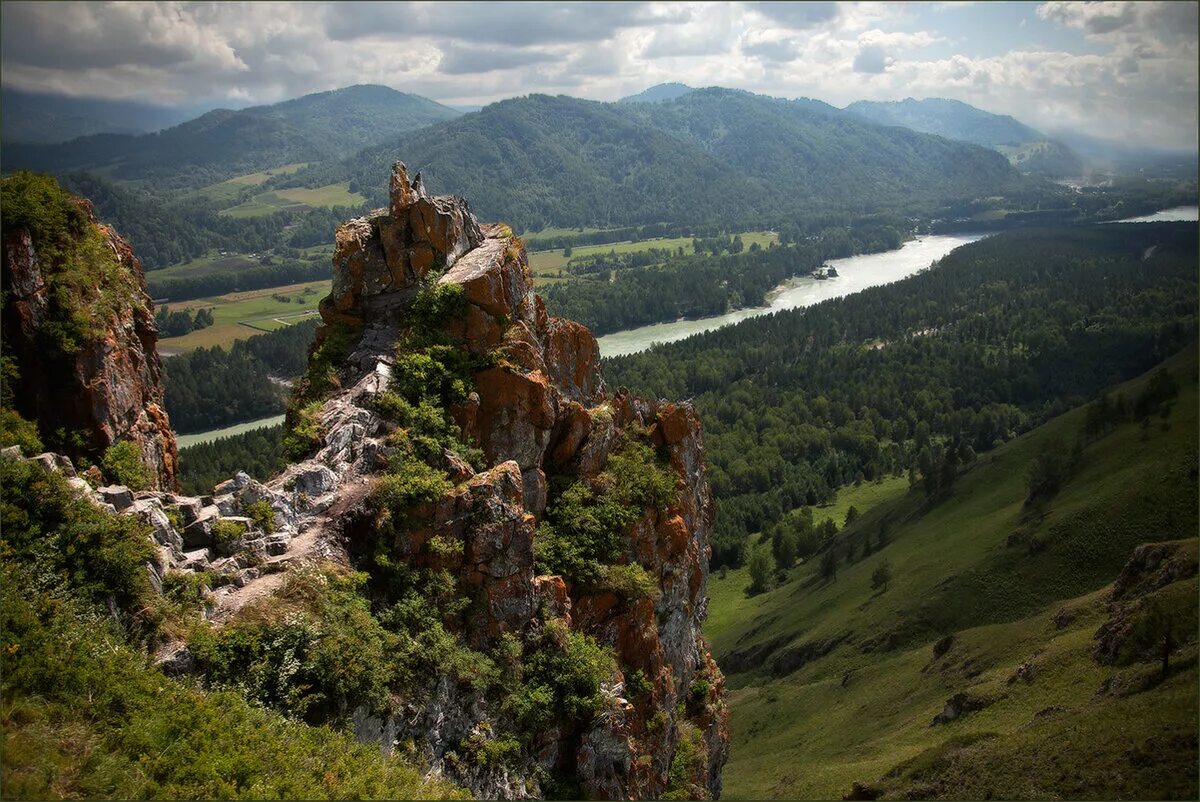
(806, 734)
(239, 315)
(266, 203)
(550, 264)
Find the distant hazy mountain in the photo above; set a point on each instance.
(1027, 149)
(1105, 155)
(711, 154)
(658, 93)
(222, 143)
(36, 117)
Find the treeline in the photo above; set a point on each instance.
(694, 285)
(537, 242)
(1001, 335)
(183, 288)
(213, 387)
(258, 452)
(181, 321)
(170, 230)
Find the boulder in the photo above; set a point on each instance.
(117, 495)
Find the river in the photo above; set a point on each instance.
(186, 440)
(855, 273)
(1176, 214)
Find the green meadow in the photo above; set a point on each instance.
(836, 682)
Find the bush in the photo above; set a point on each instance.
(562, 680)
(312, 650)
(637, 684)
(686, 764)
(585, 524)
(630, 582)
(123, 464)
(85, 716)
(762, 568)
(16, 431)
(436, 303)
(881, 577)
(303, 432)
(67, 543)
(262, 514)
(409, 483)
(225, 531)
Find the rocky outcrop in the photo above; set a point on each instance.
(104, 386)
(541, 414)
(1150, 569)
(538, 408)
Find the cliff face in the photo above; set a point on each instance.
(542, 415)
(79, 325)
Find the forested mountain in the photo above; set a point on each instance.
(999, 335)
(1029, 151)
(38, 117)
(658, 93)
(711, 154)
(223, 143)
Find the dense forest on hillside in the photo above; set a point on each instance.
(208, 388)
(258, 452)
(541, 160)
(223, 143)
(166, 230)
(1000, 335)
(613, 294)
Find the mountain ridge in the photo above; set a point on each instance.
(309, 128)
(1029, 150)
(579, 162)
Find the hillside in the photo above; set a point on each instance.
(224, 143)
(997, 337)
(999, 607)
(658, 93)
(582, 163)
(1028, 150)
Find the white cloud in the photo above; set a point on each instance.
(1136, 77)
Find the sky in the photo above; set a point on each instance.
(1119, 70)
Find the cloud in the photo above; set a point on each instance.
(465, 60)
(798, 15)
(769, 47)
(518, 24)
(872, 59)
(1126, 69)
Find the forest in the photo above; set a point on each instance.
(258, 452)
(701, 284)
(997, 337)
(209, 388)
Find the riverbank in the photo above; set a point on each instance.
(186, 440)
(855, 273)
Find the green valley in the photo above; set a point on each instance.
(837, 682)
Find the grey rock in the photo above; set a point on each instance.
(117, 495)
(199, 531)
(149, 511)
(175, 660)
(189, 507)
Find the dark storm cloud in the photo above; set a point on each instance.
(464, 60)
(518, 24)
